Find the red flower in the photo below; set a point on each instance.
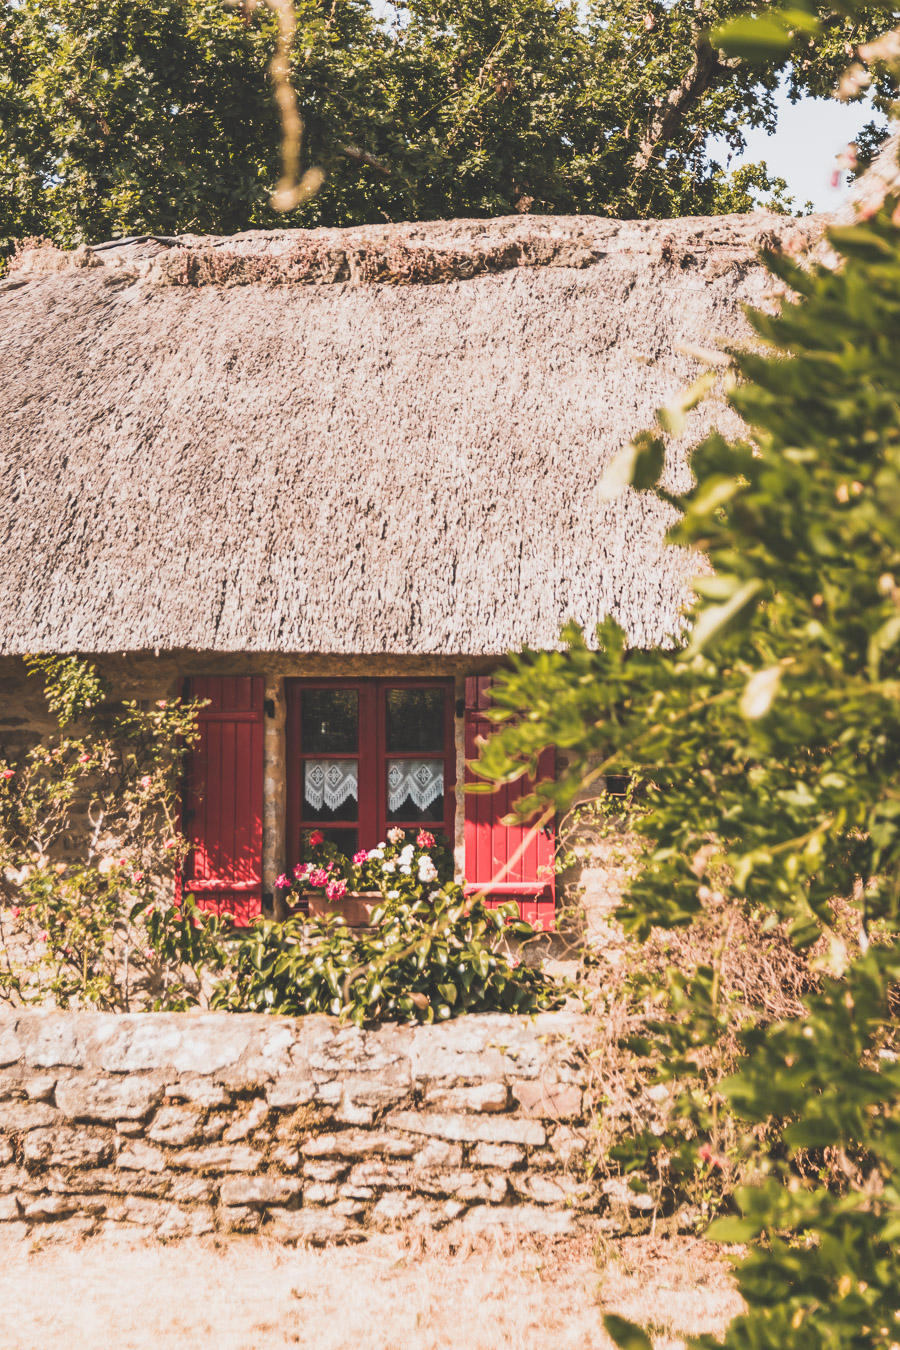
(16, 911)
(316, 838)
(319, 877)
(9, 773)
(424, 839)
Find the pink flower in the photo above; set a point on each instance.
(336, 889)
(9, 773)
(123, 862)
(424, 839)
(316, 838)
(44, 937)
(284, 882)
(84, 759)
(360, 857)
(137, 877)
(301, 870)
(171, 843)
(161, 703)
(146, 780)
(177, 901)
(318, 877)
(16, 911)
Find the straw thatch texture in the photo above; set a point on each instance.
(200, 450)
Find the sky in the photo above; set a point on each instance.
(802, 151)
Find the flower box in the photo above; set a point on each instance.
(355, 907)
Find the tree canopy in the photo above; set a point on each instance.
(136, 116)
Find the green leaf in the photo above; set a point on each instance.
(731, 1230)
(716, 620)
(626, 1335)
(638, 465)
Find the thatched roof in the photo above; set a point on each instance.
(262, 444)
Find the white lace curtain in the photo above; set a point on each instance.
(329, 782)
(422, 780)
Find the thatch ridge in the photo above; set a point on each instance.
(201, 450)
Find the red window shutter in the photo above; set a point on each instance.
(490, 845)
(223, 802)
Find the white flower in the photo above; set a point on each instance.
(407, 871)
(389, 867)
(406, 853)
(427, 869)
(396, 835)
(376, 852)
(393, 895)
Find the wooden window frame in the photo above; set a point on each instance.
(372, 823)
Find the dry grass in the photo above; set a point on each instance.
(244, 1294)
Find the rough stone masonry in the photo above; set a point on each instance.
(168, 1124)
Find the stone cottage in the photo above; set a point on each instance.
(326, 479)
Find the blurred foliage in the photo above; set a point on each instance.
(768, 751)
(121, 117)
(89, 843)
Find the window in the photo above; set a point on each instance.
(365, 755)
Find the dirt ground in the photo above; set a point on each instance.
(385, 1294)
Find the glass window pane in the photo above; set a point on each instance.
(346, 840)
(329, 721)
(415, 720)
(331, 789)
(415, 789)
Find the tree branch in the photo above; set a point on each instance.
(708, 62)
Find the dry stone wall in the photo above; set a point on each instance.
(170, 1124)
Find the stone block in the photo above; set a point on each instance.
(18, 1116)
(265, 1190)
(545, 1190)
(201, 1044)
(618, 1192)
(40, 1088)
(106, 1179)
(548, 1101)
(505, 1156)
(50, 1206)
(466, 1186)
(315, 1227)
(286, 1156)
(141, 1157)
(177, 1125)
(470, 1129)
(290, 1091)
(437, 1153)
(52, 1040)
(217, 1158)
(396, 1208)
(484, 1097)
(108, 1099)
(354, 1144)
(190, 1190)
(128, 1128)
(6, 1151)
(240, 1219)
(9, 1208)
(202, 1091)
(380, 1175)
(10, 1046)
(348, 1192)
(325, 1171)
(350, 1209)
(320, 1193)
(521, 1218)
(66, 1148)
(249, 1123)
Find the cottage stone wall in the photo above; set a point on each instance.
(170, 1124)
